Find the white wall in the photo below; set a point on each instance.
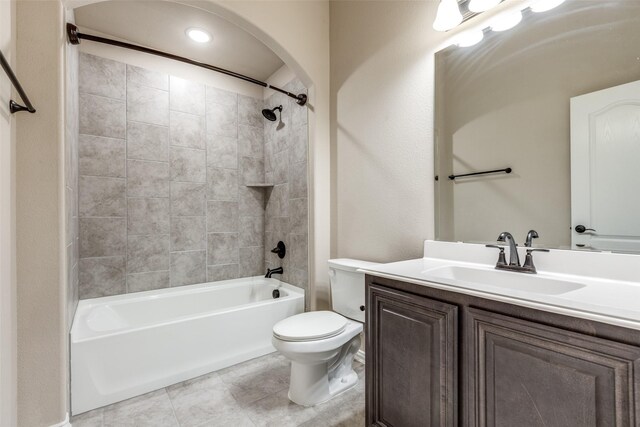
(8, 390)
(382, 128)
(42, 338)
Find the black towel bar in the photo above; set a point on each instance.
(14, 106)
(505, 170)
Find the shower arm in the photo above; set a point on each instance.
(75, 36)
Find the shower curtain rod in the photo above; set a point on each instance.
(75, 36)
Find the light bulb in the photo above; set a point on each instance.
(544, 5)
(469, 38)
(448, 16)
(198, 35)
(482, 5)
(506, 21)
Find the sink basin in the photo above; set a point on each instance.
(465, 276)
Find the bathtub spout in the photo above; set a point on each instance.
(271, 272)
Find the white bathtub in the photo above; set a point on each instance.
(126, 345)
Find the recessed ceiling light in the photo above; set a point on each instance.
(198, 35)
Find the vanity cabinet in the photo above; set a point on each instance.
(440, 358)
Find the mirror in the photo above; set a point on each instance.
(557, 100)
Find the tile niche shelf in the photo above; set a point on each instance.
(259, 185)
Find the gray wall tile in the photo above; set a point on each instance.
(223, 272)
(148, 281)
(188, 268)
(143, 77)
(268, 157)
(222, 184)
(148, 105)
(251, 141)
(281, 167)
(251, 201)
(298, 214)
(188, 199)
(100, 237)
(299, 144)
(188, 165)
(222, 120)
(100, 116)
(147, 142)
(251, 231)
(222, 248)
(298, 187)
(101, 156)
(187, 130)
(101, 277)
(220, 96)
(251, 261)
(250, 111)
(100, 196)
(148, 216)
(100, 76)
(252, 170)
(186, 96)
(299, 250)
(147, 253)
(147, 179)
(222, 216)
(222, 151)
(188, 233)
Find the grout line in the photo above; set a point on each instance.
(146, 123)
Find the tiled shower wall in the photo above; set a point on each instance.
(286, 216)
(163, 164)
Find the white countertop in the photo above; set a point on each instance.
(616, 302)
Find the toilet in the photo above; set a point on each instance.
(321, 345)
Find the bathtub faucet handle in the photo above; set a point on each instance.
(271, 272)
(280, 249)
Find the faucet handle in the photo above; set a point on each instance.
(528, 265)
(502, 260)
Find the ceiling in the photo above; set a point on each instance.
(161, 25)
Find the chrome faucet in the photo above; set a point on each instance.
(514, 259)
(271, 272)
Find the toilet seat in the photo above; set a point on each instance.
(311, 326)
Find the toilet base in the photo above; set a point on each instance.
(312, 384)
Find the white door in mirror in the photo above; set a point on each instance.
(605, 169)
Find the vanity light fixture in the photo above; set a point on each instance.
(198, 35)
(478, 6)
(448, 15)
(469, 38)
(505, 21)
(544, 5)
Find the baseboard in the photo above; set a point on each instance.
(64, 423)
(359, 356)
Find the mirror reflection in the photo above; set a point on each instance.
(557, 100)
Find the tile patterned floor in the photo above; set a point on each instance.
(251, 394)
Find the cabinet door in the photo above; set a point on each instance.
(522, 373)
(411, 360)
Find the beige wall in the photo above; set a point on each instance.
(7, 226)
(42, 341)
(381, 128)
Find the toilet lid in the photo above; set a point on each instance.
(315, 325)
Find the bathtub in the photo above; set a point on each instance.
(126, 345)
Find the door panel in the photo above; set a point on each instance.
(411, 360)
(526, 374)
(605, 148)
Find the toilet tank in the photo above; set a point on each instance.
(347, 287)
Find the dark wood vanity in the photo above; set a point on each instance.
(440, 358)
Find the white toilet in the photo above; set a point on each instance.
(321, 344)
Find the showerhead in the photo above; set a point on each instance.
(271, 114)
